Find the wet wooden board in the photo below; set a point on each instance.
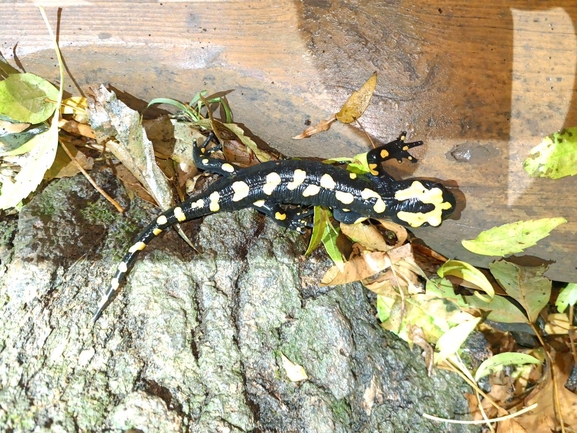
(480, 82)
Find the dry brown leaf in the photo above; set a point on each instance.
(417, 336)
(366, 235)
(132, 185)
(358, 102)
(323, 125)
(399, 231)
(544, 418)
(364, 264)
(63, 165)
(75, 128)
(510, 426)
(358, 267)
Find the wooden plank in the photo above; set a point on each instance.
(481, 83)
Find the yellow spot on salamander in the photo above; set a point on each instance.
(258, 203)
(179, 214)
(353, 175)
(197, 204)
(241, 190)
(113, 285)
(205, 161)
(161, 220)
(372, 168)
(384, 153)
(299, 177)
(311, 190)
(122, 268)
(156, 231)
(138, 246)
(344, 197)
(379, 206)
(229, 168)
(360, 220)
(327, 181)
(432, 196)
(214, 199)
(272, 181)
(280, 216)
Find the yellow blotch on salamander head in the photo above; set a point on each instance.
(384, 153)
(432, 196)
(372, 168)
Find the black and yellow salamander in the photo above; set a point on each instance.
(286, 190)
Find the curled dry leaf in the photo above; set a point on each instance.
(364, 264)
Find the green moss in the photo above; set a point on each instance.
(96, 213)
(341, 411)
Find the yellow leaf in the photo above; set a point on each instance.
(358, 102)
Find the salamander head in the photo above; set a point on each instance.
(422, 203)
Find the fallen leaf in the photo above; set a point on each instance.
(512, 238)
(294, 372)
(358, 102)
(555, 156)
(525, 284)
(27, 98)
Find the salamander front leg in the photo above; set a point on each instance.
(397, 149)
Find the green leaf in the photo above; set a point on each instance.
(320, 217)
(167, 101)
(500, 309)
(525, 284)
(469, 273)
(5, 68)
(567, 296)
(34, 164)
(19, 143)
(452, 340)
(385, 305)
(512, 238)
(330, 235)
(27, 98)
(555, 156)
(497, 362)
(357, 164)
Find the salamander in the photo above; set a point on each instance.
(286, 190)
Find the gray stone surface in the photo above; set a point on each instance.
(194, 342)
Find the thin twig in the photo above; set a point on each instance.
(94, 184)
